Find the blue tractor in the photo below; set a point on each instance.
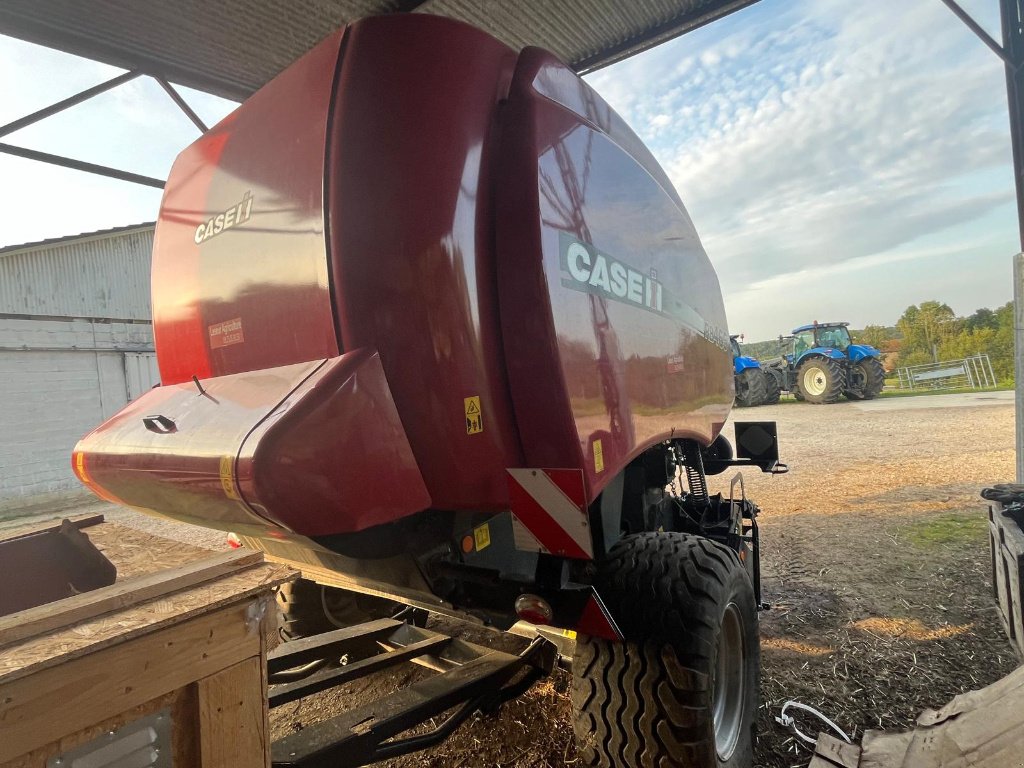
(754, 386)
(825, 364)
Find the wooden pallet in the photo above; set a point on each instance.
(183, 631)
(1007, 549)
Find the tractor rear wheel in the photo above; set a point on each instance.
(750, 388)
(869, 376)
(772, 393)
(820, 380)
(681, 689)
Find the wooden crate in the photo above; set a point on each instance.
(182, 634)
(1007, 552)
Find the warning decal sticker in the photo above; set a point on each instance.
(227, 477)
(598, 456)
(474, 416)
(482, 537)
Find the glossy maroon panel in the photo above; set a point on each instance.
(240, 270)
(412, 241)
(613, 318)
(312, 448)
(333, 456)
(182, 464)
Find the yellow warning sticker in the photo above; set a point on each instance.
(598, 456)
(569, 633)
(482, 537)
(227, 477)
(474, 416)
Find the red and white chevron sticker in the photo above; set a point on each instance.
(549, 512)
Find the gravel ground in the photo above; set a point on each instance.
(875, 562)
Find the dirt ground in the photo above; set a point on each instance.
(875, 563)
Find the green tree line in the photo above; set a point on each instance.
(930, 332)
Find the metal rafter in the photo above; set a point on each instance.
(78, 98)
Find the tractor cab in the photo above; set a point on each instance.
(823, 336)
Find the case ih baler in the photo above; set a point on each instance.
(433, 325)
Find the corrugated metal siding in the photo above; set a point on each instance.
(103, 277)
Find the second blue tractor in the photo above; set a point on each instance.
(824, 364)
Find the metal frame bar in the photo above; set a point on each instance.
(984, 36)
(471, 678)
(80, 165)
(1011, 52)
(182, 104)
(67, 103)
(78, 98)
(1013, 45)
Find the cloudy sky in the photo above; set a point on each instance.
(837, 164)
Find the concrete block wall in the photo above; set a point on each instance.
(58, 380)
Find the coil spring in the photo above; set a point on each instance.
(694, 467)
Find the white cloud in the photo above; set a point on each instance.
(806, 136)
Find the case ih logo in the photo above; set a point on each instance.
(596, 272)
(232, 217)
(591, 271)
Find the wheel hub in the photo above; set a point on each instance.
(729, 696)
(815, 381)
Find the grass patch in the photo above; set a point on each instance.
(933, 392)
(947, 530)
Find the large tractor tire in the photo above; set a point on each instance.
(820, 380)
(772, 392)
(869, 377)
(681, 689)
(750, 388)
(308, 608)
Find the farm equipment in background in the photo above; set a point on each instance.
(411, 336)
(824, 364)
(749, 378)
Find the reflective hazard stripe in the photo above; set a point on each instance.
(550, 504)
(597, 621)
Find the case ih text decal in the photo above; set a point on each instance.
(232, 217)
(587, 269)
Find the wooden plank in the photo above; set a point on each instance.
(41, 708)
(58, 647)
(50, 526)
(176, 701)
(138, 552)
(123, 594)
(233, 717)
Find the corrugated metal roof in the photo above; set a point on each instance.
(81, 236)
(98, 275)
(233, 47)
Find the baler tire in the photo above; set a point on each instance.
(772, 392)
(832, 383)
(750, 388)
(652, 698)
(873, 374)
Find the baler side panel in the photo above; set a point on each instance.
(629, 346)
(240, 279)
(412, 241)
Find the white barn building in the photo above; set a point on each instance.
(76, 344)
